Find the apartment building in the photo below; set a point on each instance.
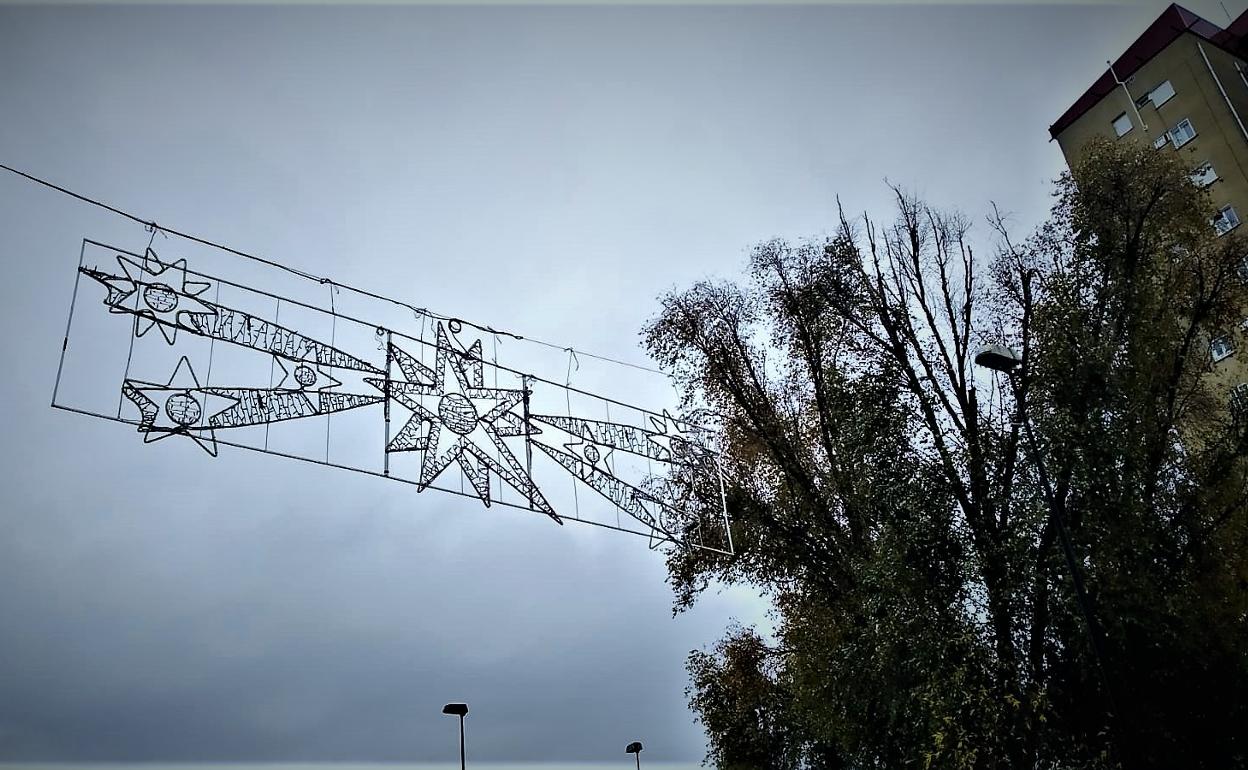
(1182, 87)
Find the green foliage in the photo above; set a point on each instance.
(885, 497)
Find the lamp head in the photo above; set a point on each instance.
(633, 748)
(997, 357)
(459, 709)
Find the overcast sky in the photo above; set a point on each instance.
(547, 170)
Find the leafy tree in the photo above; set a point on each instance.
(885, 496)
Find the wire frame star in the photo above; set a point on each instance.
(593, 454)
(456, 420)
(163, 289)
(672, 437)
(173, 409)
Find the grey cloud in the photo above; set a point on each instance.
(547, 170)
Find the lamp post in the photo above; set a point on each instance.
(460, 710)
(635, 748)
(1003, 359)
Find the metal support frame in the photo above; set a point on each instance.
(386, 391)
(454, 418)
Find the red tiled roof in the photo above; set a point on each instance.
(1172, 23)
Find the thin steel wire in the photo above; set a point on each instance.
(333, 341)
(567, 394)
(73, 300)
(212, 343)
(121, 399)
(277, 317)
(608, 466)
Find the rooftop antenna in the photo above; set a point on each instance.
(1134, 109)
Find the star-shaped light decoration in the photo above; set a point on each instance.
(455, 419)
(673, 438)
(164, 293)
(173, 409)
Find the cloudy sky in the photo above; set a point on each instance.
(548, 170)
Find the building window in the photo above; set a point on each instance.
(1239, 400)
(1161, 141)
(1204, 175)
(1226, 220)
(1161, 94)
(1221, 347)
(1122, 124)
(1182, 133)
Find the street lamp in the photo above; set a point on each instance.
(635, 748)
(460, 710)
(1003, 359)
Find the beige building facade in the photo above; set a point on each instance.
(1182, 87)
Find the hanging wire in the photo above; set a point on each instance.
(608, 466)
(333, 341)
(277, 316)
(73, 301)
(134, 328)
(567, 397)
(649, 464)
(212, 342)
(497, 453)
(424, 319)
(166, 231)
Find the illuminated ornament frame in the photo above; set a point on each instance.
(499, 429)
